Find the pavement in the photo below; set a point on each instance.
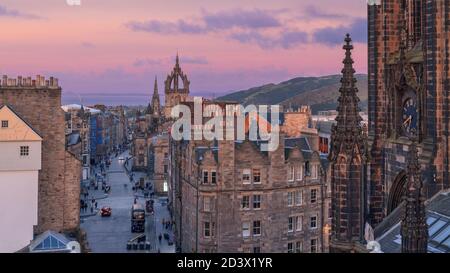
(111, 234)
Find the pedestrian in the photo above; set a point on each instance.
(92, 209)
(160, 237)
(96, 205)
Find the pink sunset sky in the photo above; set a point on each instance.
(117, 46)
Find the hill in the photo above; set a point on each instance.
(321, 93)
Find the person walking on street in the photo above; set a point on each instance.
(96, 205)
(160, 238)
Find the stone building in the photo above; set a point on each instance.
(38, 102)
(408, 79)
(229, 196)
(176, 88)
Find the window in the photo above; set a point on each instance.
(206, 204)
(256, 201)
(5, 124)
(213, 177)
(213, 228)
(290, 224)
(205, 177)
(246, 176)
(206, 229)
(315, 172)
(298, 247)
(245, 230)
(323, 145)
(256, 228)
(313, 222)
(313, 196)
(298, 198)
(298, 223)
(290, 199)
(313, 245)
(245, 202)
(291, 173)
(24, 150)
(256, 249)
(166, 169)
(290, 247)
(256, 176)
(307, 169)
(300, 173)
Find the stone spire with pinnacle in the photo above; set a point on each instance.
(348, 133)
(414, 228)
(156, 105)
(348, 159)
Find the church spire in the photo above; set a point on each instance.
(156, 106)
(348, 130)
(347, 160)
(414, 228)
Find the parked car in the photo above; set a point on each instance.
(106, 211)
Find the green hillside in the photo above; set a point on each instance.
(320, 93)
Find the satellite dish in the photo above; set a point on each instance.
(74, 247)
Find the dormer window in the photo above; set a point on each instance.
(5, 124)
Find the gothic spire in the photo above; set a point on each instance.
(414, 228)
(155, 99)
(347, 133)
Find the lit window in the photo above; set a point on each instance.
(213, 177)
(245, 202)
(246, 230)
(205, 177)
(313, 222)
(256, 228)
(313, 196)
(246, 176)
(24, 150)
(257, 201)
(256, 176)
(5, 124)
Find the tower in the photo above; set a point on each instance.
(409, 80)
(176, 88)
(414, 228)
(348, 161)
(155, 105)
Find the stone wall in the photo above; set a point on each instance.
(38, 102)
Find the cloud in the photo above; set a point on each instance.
(260, 27)
(312, 12)
(87, 45)
(286, 40)
(209, 22)
(5, 12)
(335, 36)
(169, 60)
(252, 19)
(162, 27)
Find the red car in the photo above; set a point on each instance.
(106, 211)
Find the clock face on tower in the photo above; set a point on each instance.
(410, 117)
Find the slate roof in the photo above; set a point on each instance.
(73, 139)
(438, 220)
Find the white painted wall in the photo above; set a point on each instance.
(10, 159)
(18, 208)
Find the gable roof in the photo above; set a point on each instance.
(18, 129)
(49, 241)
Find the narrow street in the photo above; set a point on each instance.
(111, 234)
